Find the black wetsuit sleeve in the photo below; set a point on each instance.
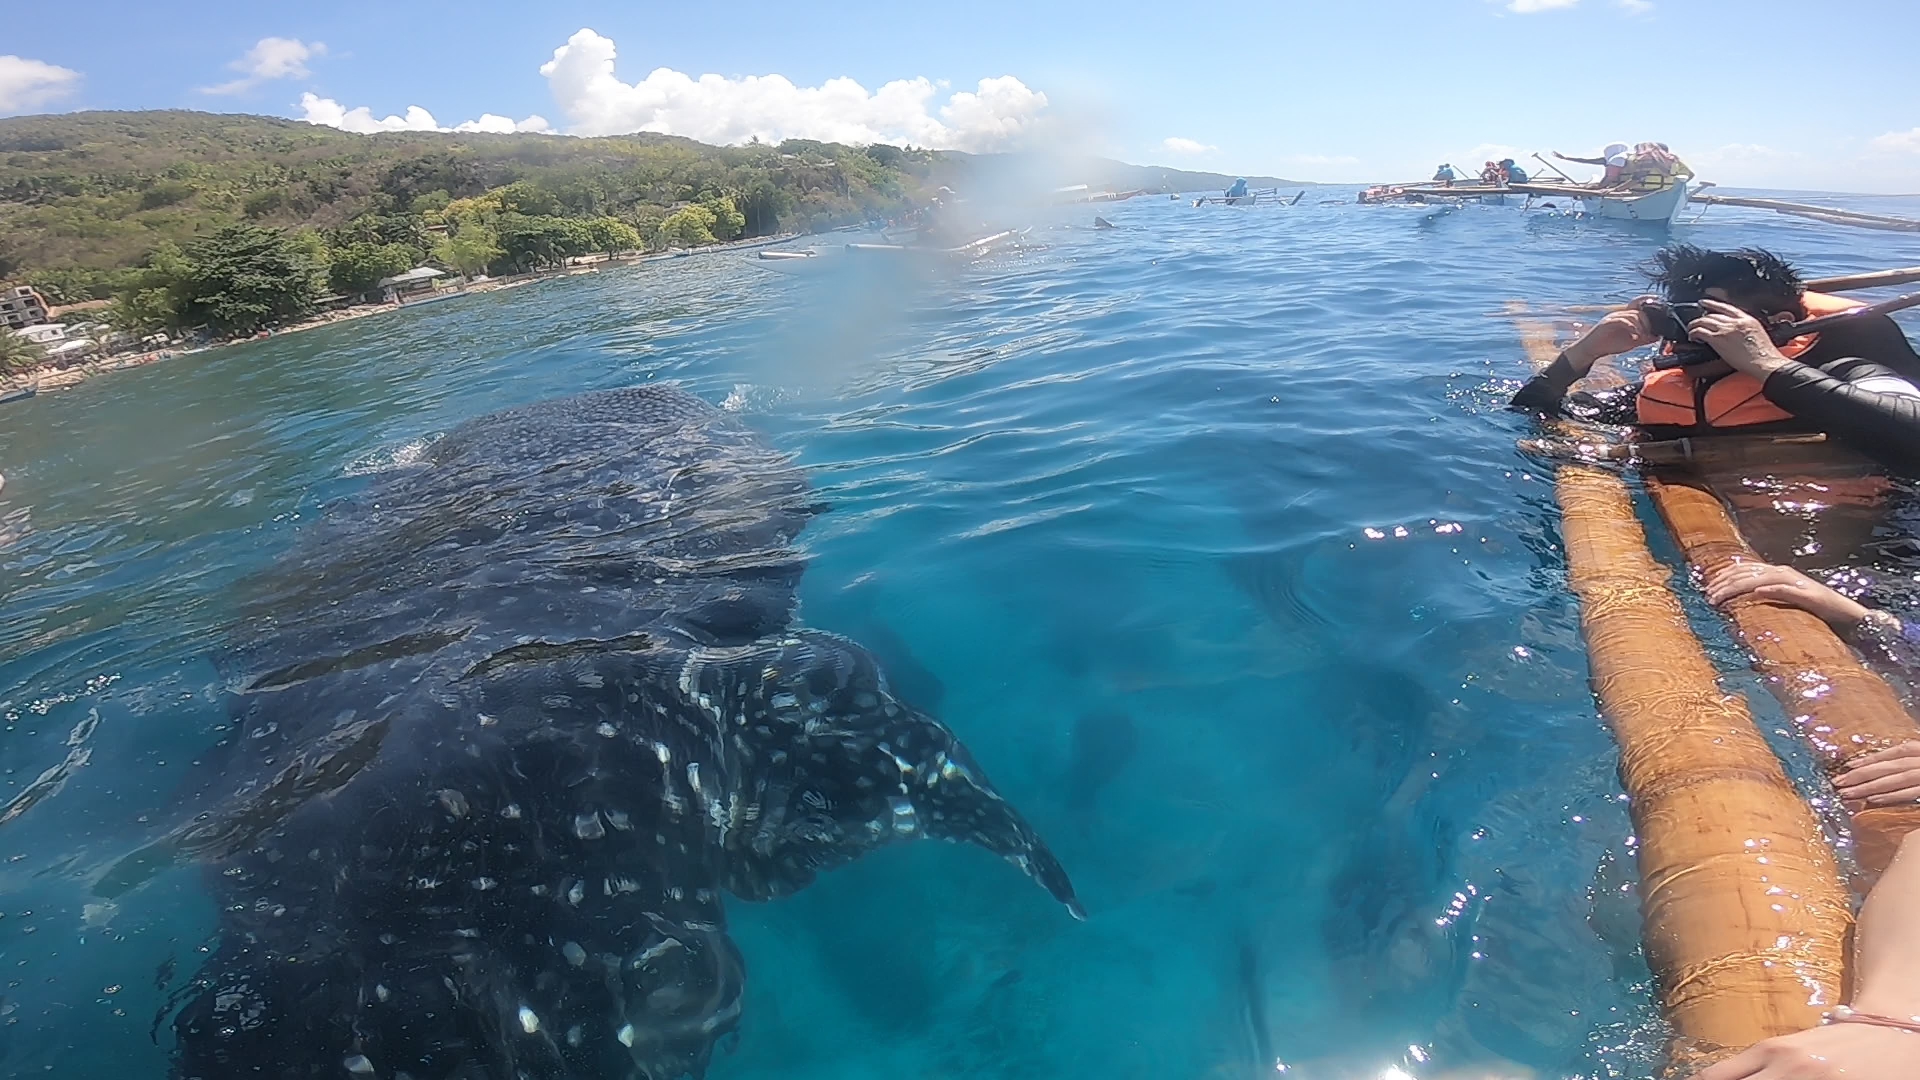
(1545, 391)
(1883, 426)
(1876, 338)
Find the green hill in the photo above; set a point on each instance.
(87, 197)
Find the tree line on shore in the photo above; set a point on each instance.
(237, 223)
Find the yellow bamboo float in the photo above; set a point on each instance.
(1839, 706)
(1746, 918)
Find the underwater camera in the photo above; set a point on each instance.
(1670, 321)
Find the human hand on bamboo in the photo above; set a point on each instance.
(1782, 585)
(1737, 337)
(1833, 1052)
(1890, 777)
(1619, 331)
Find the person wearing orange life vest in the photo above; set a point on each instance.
(1859, 382)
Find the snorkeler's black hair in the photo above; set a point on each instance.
(1755, 279)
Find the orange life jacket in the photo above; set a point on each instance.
(1677, 398)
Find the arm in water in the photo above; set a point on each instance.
(1890, 777)
(1856, 1044)
(1620, 331)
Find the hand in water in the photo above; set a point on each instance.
(1737, 337)
(1834, 1052)
(1782, 585)
(1890, 777)
(1620, 331)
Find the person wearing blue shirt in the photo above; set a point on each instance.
(1238, 189)
(1444, 174)
(1515, 174)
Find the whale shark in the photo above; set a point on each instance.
(509, 727)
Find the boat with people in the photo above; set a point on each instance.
(1643, 183)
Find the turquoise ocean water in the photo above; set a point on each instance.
(1207, 533)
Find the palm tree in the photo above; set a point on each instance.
(18, 353)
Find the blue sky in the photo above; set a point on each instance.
(1323, 91)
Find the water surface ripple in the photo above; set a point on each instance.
(1207, 533)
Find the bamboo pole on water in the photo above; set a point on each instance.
(1874, 280)
(1746, 919)
(1827, 214)
(1837, 705)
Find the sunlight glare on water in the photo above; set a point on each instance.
(1207, 533)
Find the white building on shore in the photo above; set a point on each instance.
(22, 305)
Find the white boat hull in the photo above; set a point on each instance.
(1661, 206)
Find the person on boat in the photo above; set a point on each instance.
(1239, 188)
(1613, 160)
(1858, 382)
(1511, 173)
(1490, 173)
(1652, 167)
(1444, 175)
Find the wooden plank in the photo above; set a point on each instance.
(1745, 916)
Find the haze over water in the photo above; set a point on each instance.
(1240, 477)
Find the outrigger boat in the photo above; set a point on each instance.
(1662, 206)
(1263, 197)
(814, 260)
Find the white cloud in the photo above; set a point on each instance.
(721, 109)
(1635, 7)
(1529, 7)
(25, 83)
(270, 58)
(1893, 142)
(315, 109)
(1189, 147)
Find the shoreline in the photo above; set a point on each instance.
(47, 378)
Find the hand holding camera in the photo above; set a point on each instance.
(1737, 337)
(1620, 331)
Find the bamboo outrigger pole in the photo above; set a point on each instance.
(1837, 705)
(1876, 279)
(1828, 214)
(1746, 919)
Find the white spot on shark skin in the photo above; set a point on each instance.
(380, 991)
(590, 679)
(626, 1035)
(454, 803)
(574, 953)
(487, 721)
(484, 883)
(511, 811)
(618, 819)
(661, 751)
(657, 951)
(529, 1021)
(575, 1035)
(905, 820)
(358, 1065)
(587, 826)
(577, 893)
(606, 730)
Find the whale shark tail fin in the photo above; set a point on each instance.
(829, 764)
